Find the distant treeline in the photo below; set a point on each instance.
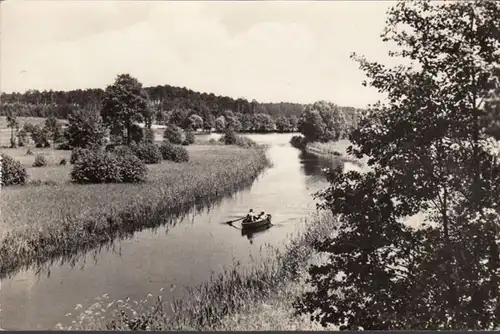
(166, 102)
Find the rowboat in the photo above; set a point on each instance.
(246, 224)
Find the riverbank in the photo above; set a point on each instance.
(43, 222)
(257, 297)
(328, 150)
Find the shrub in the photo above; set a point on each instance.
(97, 167)
(132, 169)
(12, 171)
(174, 153)
(189, 138)
(63, 162)
(40, 160)
(174, 134)
(245, 142)
(149, 153)
(13, 143)
(298, 142)
(64, 145)
(229, 137)
(166, 150)
(40, 137)
(123, 150)
(78, 153)
(179, 154)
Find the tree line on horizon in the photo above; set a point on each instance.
(167, 105)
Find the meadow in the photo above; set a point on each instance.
(52, 217)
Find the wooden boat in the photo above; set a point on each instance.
(246, 224)
(250, 232)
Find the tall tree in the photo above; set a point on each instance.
(125, 103)
(428, 154)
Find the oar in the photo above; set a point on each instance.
(233, 221)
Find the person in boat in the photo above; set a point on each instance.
(262, 215)
(250, 216)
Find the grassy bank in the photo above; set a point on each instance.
(40, 222)
(333, 149)
(257, 297)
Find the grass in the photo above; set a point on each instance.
(41, 221)
(258, 297)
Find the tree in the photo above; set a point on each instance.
(428, 154)
(53, 128)
(195, 122)
(174, 134)
(178, 117)
(220, 124)
(85, 129)
(263, 123)
(125, 103)
(40, 136)
(283, 124)
(12, 123)
(209, 122)
(323, 121)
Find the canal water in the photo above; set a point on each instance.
(175, 257)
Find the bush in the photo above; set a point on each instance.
(229, 137)
(189, 138)
(298, 142)
(166, 150)
(132, 169)
(64, 146)
(97, 167)
(174, 153)
(174, 134)
(245, 142)
(149, 153)
(40, 160)
(179, 154)
(13, 143)
(78, 153)
(123, 150)
(63, 162)
(12, 171)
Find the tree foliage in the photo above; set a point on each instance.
(124, 104)
(85, 129)
(166, 105)
(428, 154)
(325, 121)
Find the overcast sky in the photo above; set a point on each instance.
(263, 50)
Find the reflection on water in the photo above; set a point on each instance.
(183, 254)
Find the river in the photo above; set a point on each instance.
(178, 256)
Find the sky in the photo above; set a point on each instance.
(271, 51)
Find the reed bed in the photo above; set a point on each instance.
(43, 221)
(237, 299)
